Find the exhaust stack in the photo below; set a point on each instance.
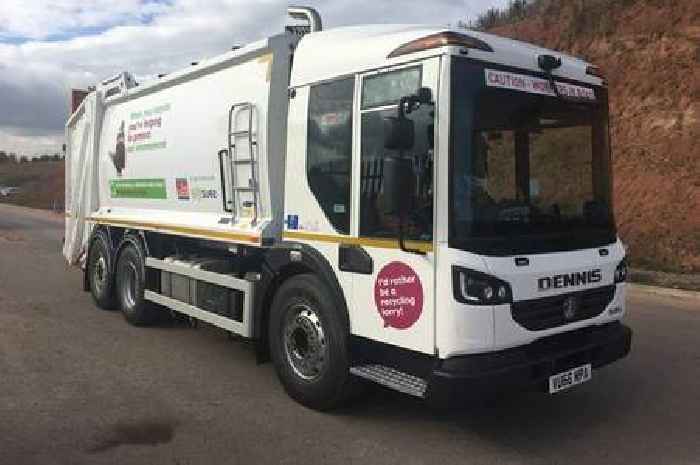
(308, 14)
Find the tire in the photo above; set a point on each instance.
(100, 273)
(309, 344)
(130, 285)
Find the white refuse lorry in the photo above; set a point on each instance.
(429, 209)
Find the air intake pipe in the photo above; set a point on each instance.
(306, 13)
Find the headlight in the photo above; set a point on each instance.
(621, 271)
(475, 288)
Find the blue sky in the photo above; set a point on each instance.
(61, 36)
(48, 47)
(29, 20)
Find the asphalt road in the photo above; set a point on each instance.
(79, 385)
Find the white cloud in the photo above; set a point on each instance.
(39, 20)
(36, 76)
(19, 142)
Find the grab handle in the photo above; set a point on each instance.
(224, 196)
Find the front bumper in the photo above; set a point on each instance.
(527, 367)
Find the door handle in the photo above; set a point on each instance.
(354, 259)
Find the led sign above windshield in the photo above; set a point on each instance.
(534, 85)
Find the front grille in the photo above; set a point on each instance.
(548, 312)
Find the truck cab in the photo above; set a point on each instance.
(459, 184)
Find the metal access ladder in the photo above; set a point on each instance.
(240, 157)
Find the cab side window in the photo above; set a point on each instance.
(329, 149)
(380, 95)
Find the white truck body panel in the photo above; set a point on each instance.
(167, 176)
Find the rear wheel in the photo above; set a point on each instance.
(100, 275)
(309, 344)
(130, 286)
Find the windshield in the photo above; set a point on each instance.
(530, 171)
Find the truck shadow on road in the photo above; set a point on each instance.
(532, 422)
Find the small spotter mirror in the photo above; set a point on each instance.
(424, 95)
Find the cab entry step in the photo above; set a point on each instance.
(392, 378)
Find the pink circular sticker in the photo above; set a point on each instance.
(398, 294)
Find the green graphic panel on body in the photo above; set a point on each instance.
(138, 189)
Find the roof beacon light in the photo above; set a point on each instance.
(442, 39)
(548, 62)
(307, 14)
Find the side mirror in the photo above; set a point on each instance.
(411, 103)
(399, 133)
(424, 95)
(398, 185)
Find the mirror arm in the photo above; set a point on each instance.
(403, 102)
(402, 107)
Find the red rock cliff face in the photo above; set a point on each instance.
(650, 52)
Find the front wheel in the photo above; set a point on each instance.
(309, 344)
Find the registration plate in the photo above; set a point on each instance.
(569, 378)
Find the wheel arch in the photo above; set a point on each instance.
(278, 266)
(130, 237)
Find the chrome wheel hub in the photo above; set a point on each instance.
(100, 273)
(305, 342)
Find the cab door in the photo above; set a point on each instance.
(393, 289)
